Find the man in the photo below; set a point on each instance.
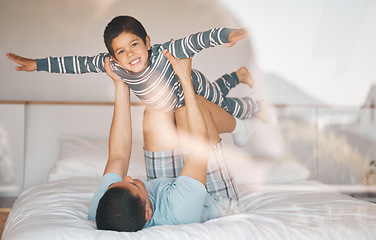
(129, 204)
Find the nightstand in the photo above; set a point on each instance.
(367, 196)
(361, 192)
(6, 204)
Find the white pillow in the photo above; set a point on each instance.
(87, 157)
(267, 170)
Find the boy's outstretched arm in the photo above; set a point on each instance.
(196, 163)
(65, 65)
(187, 47)
(120, 141)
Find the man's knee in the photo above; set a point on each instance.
(205, 104)
(147, 121)
(154, 119)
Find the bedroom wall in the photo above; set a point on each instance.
(12, 148)
(301, 48)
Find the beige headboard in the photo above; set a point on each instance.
(30, 131)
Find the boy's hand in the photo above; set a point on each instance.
(27, 64)
(116, 78)
(235, 36)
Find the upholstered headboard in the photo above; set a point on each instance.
(30, 131)
(46, 122)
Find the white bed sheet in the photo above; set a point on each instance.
(305, 210)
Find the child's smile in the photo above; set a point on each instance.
(131, 52)
(134, 62)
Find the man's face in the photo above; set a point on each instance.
(136, 187)
(131, 52)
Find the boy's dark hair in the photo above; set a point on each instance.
(119, 25)
(119, 210)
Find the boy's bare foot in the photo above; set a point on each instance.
(264, 114)
(245, 76)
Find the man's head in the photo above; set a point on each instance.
(125, 207)
(128, 43)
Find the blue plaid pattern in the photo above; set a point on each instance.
(164, 163)
(219, 183)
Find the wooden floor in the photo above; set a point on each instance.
(4, 212)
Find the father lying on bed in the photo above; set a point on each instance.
(175, 193)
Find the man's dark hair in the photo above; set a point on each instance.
(119, 25)
(119, 210)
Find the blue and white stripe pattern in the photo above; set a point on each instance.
(158, 86)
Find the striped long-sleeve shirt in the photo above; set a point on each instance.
(158, 86)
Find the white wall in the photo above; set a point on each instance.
(325, 47)
(12, 139)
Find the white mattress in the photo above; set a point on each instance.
(305, 210)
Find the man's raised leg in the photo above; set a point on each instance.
(163, 156)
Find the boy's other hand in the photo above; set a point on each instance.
(27, 64)
(235, 36)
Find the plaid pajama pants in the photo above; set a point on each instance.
(219, 183)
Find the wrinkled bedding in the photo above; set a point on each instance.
(302, 210)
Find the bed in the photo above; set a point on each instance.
(277, 199)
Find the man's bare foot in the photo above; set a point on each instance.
(245, 76)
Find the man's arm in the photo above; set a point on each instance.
(194, 43)
(68, 64)
(196, 163)
(120, 141)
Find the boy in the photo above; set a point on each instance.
(151, 76)
(128, 204)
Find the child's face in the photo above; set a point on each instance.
(131, 52)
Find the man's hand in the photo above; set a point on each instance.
(235, 36)
(116, 78)
(27, 64)
(182, 67)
